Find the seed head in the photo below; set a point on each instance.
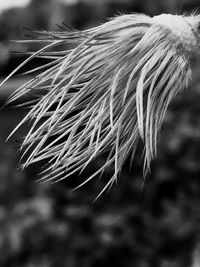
(107, 93)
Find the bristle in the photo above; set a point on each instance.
(104, 95)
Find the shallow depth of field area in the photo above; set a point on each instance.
(136, 224)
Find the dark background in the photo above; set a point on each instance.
(43, 225)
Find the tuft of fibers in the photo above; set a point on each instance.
(105, 94)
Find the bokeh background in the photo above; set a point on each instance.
(43, 225)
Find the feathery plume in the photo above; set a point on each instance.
(105, 94)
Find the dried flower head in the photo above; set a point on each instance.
(105, 94)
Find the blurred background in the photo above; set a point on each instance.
(43, 225)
